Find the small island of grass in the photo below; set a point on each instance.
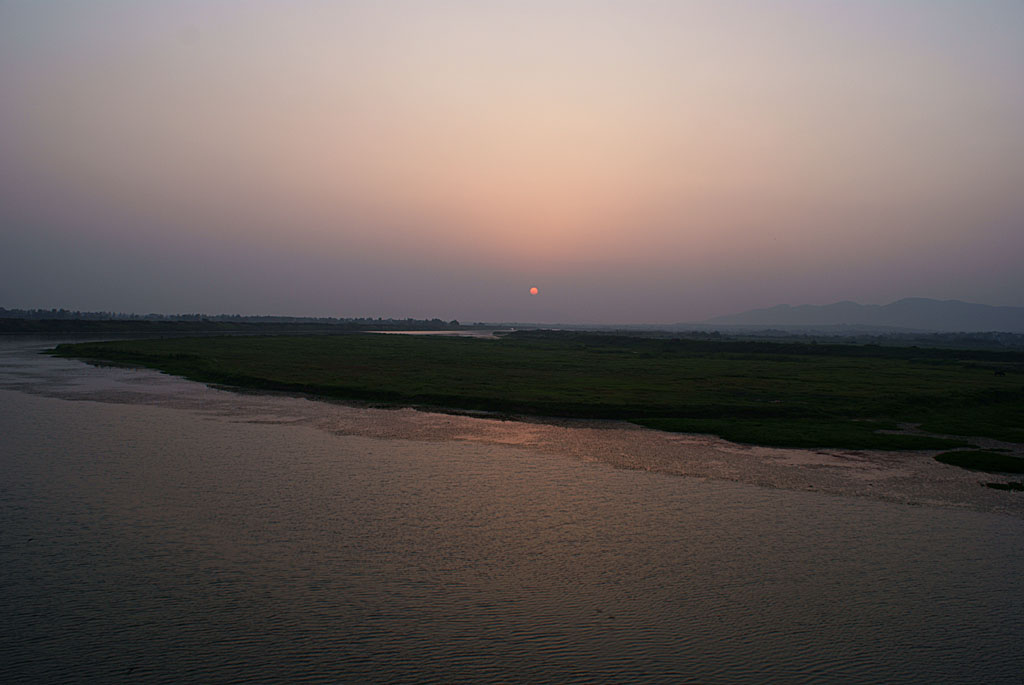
(983, 460)
(764, 393)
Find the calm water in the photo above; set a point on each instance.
(148, 538)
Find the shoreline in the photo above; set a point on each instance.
(904, 475)
(762, 393)
(909, 478)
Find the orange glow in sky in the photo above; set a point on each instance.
(649, 161)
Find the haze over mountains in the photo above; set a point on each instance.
(912, 313)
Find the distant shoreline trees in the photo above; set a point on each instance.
(76, 315)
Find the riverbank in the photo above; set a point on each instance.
(907, 477)
(768, 394)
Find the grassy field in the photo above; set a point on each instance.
(797, 395)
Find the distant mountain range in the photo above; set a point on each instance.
(912, 313)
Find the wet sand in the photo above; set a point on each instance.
(908, 477)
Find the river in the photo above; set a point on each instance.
(157, 530)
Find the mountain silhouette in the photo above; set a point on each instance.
(912, 313)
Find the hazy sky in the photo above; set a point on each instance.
(637, 161)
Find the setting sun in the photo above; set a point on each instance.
(533, 290)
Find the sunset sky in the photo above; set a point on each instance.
(636, 161)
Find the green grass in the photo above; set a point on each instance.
(780, 394)
(982, 460)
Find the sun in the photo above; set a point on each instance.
(533, 290)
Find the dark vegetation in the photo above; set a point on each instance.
(779, 394)
(222, 325)
(994, 340)
(62, 321)
(76, 315)
(836, 335)
(983, 460)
